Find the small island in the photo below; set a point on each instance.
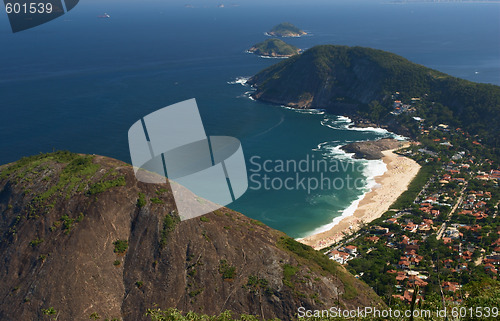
(275, 48)
(286, 29)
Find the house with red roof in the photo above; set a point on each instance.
(450, 286)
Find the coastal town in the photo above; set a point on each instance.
(443, 232)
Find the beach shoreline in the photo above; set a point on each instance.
(389, 186)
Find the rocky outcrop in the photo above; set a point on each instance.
(79, 236)
(372, 149)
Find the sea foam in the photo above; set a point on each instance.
(311, 111)
(344, 122)
(372, 169)
(239, 80)
(349, 211)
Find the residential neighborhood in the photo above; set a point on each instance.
(440, 234)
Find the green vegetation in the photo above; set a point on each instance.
(121, 246)
(174, 314)
(288, 272)
(36, 242)
(446, 231)
(169, 223)
(75, 176)
(139, 284)
(49, 311)
(309, 255)
(254, 281)
(366, 78)
(32, 163)
(156, 200)
(226, 270)
(94, 316)
(194, 293)
(161, 191)
(103, 186)
(481, 294)
(141, 201)
(406, 199)
(286, 29)
(274, 48)
(256, 285)
(117, 263)
(258, 223)
(67, 223)
(204, 219)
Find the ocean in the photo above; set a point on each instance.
(79, 82)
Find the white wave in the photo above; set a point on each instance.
(344, 122)
(261, 56)
(247, 95)
(344, 119)
(378, 130)
(341, 122)
(311, 111)
(334, 124)
(269, 57)
(373, 169)
(320, 145)
(239, 80)
(339, 153)
(349, 211)
(399, 137)
(334, 149)
(329, 126)
(370, 129)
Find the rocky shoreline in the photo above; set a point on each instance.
(372, 149)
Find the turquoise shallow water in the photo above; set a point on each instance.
(80, 82)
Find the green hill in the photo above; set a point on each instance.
(274, 48)
(286, 29)
(358, 81)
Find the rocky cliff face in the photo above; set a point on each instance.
(79, 236)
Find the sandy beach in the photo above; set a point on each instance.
(400, 171)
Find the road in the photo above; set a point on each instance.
(455, 207)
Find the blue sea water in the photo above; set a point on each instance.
(79, 82)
